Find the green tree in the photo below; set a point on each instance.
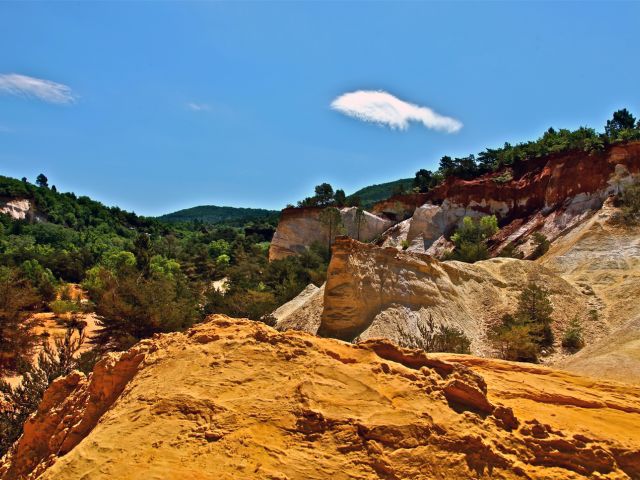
(354, 201)
(542, 245)
(131, 307)
(17, 298)
(340, 198)
(629, 201)
(573, 339)
(424, 180)
(470, 239)
(41, 278)
(331, 218)
(42, 181)
(324, 194)
(534, 308)
(447, 166)
(142, 253)
(621, 120)
(522, 335)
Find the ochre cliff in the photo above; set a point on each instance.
(299, 228)
(551, 195)
(383, 292)
(545, 183)
(236, 399)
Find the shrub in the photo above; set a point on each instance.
(514, 341)
(55, 360)
(504, 177)
(65, 292)
(510, 251)
(573, 339)
(629, 203)
(435, 338)
(541, 245)
(522, 336)
(17, 298)
(131, 307)
(61, 307)
(470, 239)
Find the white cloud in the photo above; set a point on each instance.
(198, 107)
(52, 92)
(384, 109)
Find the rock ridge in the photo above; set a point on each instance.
(194, 405)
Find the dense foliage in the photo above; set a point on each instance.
(325, 197)
(232, 216)
(143, 276)
(470, 239)
(622, 127)
(368, 196)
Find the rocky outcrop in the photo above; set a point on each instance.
(382, 292)
(552, 195)
(302, 312)
(18, 209)
(196, 407)
(400, 207)
(299, 228)
(69, 410)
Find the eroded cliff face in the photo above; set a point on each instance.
(236, 399)
(299, 228)
(550, 195)
(602, 258)
(382, 292)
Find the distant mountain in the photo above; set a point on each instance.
(226, 215)
(375, 193)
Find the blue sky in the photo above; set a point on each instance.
(175, 104)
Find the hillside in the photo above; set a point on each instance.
(186, 405)
(234, 216)
(375, 193)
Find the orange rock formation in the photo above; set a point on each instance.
(236, 399)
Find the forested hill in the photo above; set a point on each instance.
(233, 216)
(375, 193)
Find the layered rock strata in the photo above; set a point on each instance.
(383, 292)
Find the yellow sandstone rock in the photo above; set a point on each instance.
(233, 399)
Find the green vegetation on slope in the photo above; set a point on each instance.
(233, 216)
(621, 128)
(375, 193)
(143, 276)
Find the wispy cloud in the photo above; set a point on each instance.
(46, 90)
(198, 107)
(384, 109)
